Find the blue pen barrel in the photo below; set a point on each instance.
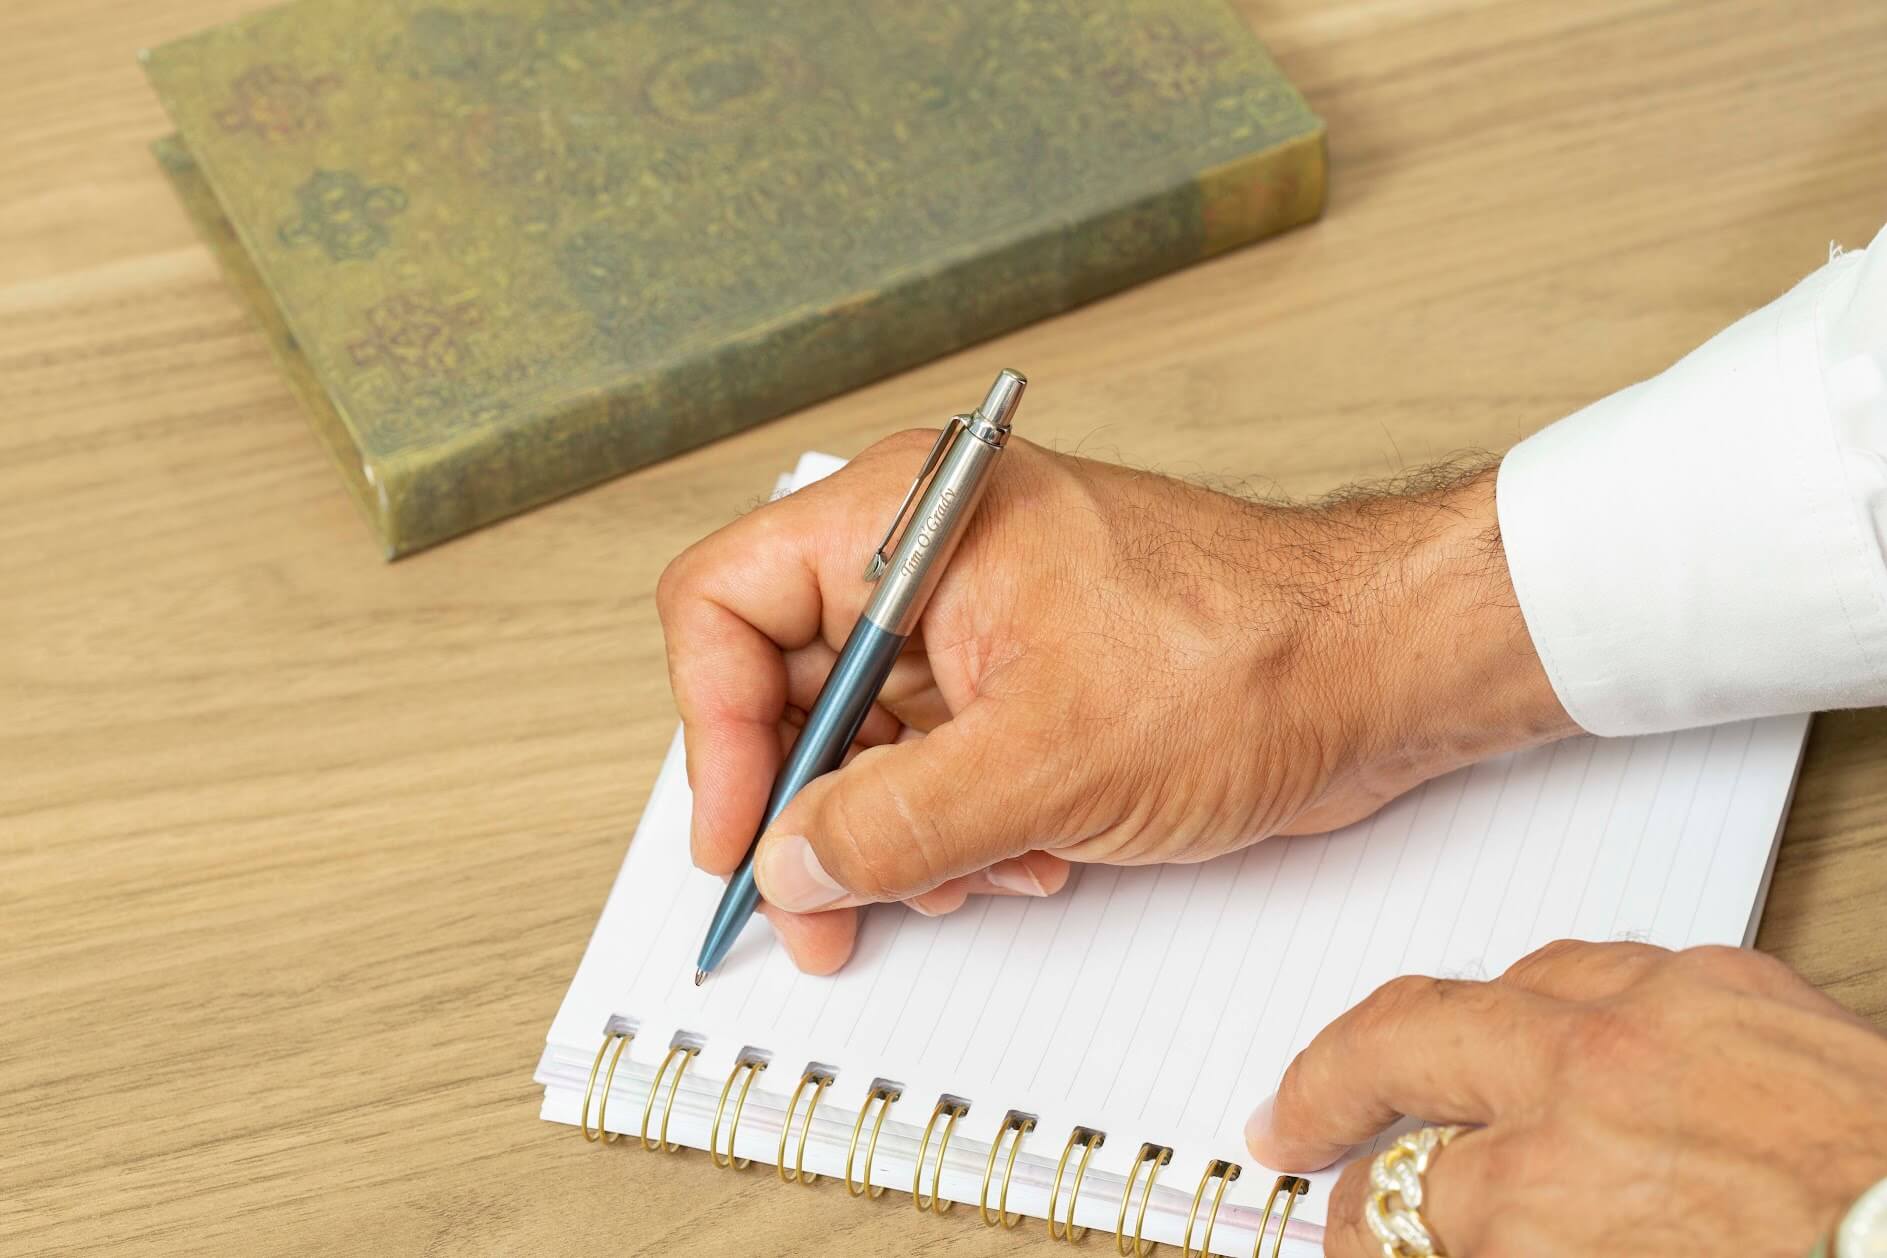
(833, 723)
(857, 677)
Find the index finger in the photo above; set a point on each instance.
(1443, 1051)
(731, 605)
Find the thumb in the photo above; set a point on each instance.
(895, 822)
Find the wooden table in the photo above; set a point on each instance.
(298, 850)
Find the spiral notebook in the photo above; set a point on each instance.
(1088, 1060)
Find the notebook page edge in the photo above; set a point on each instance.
(1782, 824)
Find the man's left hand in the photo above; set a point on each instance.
(1625, 1099)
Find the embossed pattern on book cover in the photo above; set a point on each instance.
(527, 244)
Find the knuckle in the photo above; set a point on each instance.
(672, 586)
(1546, 955)
(1403, 990)
(769, 524)
(888, 458)
(680, 583)
(1385, 1017)
(905, 441)
(1734, 967)
(1395, 999)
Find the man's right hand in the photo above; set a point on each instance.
(1116, 667)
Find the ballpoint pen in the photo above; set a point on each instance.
(951, 482)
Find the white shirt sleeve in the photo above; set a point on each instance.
(1711, 544)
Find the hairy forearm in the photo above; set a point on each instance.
(1460, 674)
(1422, 635)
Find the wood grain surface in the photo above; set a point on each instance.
(298, 850)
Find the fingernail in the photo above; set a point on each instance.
(918, 906)
(1258, 1126)
(1015, 876)
(792, 877)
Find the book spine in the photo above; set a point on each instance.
(1263, 194)
(430, 494)
(199, 201)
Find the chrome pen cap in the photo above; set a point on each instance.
(1004, 396)
(944, 494)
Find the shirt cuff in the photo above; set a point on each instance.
(1708, 545)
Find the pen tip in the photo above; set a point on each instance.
(701, 976)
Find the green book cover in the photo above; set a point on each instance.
(509, 248)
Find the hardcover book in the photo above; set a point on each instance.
(508, 248)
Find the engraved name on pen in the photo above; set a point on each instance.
(933, 524)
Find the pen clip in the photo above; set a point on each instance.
(875, 568)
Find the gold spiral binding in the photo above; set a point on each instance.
(1022, 1124)
(821, 1080)
(686, 1053)
(952, 1110)
(1293, 1186)
(751, 1066)
(1089, 1140)
(885, 1094)
(1223, 1171)
(1159, 1155)
(621, 1040)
